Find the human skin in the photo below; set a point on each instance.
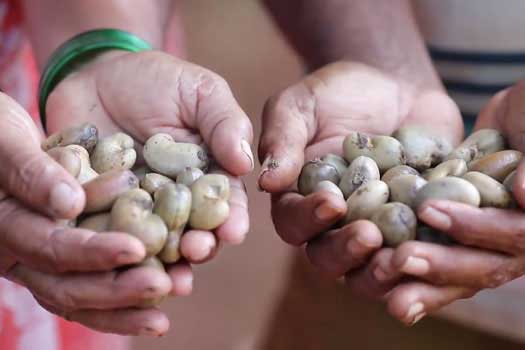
(169, 95)
(375, 77)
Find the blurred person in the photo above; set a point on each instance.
(369, 70)
(127, 86)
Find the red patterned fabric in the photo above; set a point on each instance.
(24, 325)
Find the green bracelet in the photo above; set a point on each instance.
(77, 51)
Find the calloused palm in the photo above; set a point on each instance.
(311, 119)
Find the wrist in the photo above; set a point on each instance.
(86, 47)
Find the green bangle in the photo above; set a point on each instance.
(79, 50)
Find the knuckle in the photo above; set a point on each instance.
(50, 251)
(64, 299)
(29, 172)
(501, 274)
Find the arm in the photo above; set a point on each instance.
(145, 18)
(380, 33)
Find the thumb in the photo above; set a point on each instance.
(283, 139)
(224, 126)
(28, 173)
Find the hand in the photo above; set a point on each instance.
(311, 119)
(64, 268)
(494, 251)
(151, 92)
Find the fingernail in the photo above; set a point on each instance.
(63, 198)
(150, 332)
(416, 266)
(418, 318)
(380, 274)
(415, 313)
(245, 147)
(325, 212)
(269, 164)
(436, 218)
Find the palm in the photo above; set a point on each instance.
(151, 92)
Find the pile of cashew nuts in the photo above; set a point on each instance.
(155, 203)
(386, 178)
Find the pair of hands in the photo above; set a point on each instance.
(74, 272)
(311, 118)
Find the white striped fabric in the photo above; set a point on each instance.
(477, 46)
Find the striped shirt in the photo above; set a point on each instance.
(477, 46)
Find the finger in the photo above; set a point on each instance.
(298, 219)
(198, 246)
(147, 322)
(102, 291)
(287, 127)
(224, 126)
(41, 243)
(28, 173)
(490, 228)
(181, 278)
(338, 251)
(410, 302)
(236, 227)
(460, 266)
(376, 278)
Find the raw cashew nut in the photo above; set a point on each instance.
(314, 172)
(397, 171)
(85, 135)
(497, 165)
(336, 161)
(171, 251)
(173, 205)
(152, 182)
(361, 170)
(328, 186)
(423, 148)
(103, 191)
(188, 176)
(366, 200)
(397, 223)
(86, 172)
(132, 213)
(449, 188)
(115, 152)
(210, 208)
(68, 159)
(453, 167)
(386, 151)
(404, 188)
(97, 222)
(493, 194)
(509, 181)
(478, 145)
(167, 157)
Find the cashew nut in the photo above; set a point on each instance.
(115, 152)
(361, 170)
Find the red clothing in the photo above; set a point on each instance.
(24, 325)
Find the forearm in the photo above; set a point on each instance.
(52, 22)
(381, 33)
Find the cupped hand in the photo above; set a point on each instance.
(152, 92)
(64, 268)
(493, 245)
(311, 119)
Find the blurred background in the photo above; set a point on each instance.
(263, 295)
